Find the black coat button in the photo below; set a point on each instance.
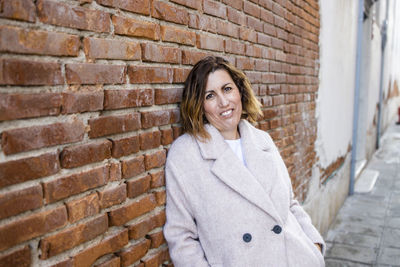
(277, 229)
(247, 237)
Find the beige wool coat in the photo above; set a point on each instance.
(222, 213)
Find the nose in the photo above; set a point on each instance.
(223, 101)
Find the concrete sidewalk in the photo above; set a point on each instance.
(366, 231)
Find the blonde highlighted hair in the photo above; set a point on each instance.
(192, 111)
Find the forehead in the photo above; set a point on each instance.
(217, 79)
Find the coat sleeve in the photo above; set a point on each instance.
(180, 229)
(305, 222)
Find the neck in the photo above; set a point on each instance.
(231, 135)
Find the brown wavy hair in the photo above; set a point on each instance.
(192, 111)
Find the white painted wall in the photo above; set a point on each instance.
(338, 36)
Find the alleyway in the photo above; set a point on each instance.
(366, 231)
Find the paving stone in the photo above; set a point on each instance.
(354, 239)
(352, 253)
(391, 238)
(343, 263)
(389, 256)
(393, 222)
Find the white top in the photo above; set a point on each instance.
(236, 146)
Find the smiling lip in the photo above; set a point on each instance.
(226, 113)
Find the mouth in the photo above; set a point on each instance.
(226, 113)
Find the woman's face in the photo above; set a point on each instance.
(222, 103)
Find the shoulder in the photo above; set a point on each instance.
(183, 145)
(259, 137)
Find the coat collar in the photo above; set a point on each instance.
(212, 148)
(254, 182)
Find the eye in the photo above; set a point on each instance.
(228, 88)
(209, 96)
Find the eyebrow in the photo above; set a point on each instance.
(223, 86)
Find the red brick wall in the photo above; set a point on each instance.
(89, 94)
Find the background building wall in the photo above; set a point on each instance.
(335, 101)
(89, 106)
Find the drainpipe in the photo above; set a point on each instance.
(356, 95)
(383, 45)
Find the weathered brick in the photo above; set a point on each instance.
(83, 207)
(21, 170)
(145, 74)
(116, 99)
(167, 95)
(176, 35)
(236, 16)
(113, 262)
(64, 263)
(168, 12)
(136, 28)
(228, 29)
(19, 40)
(61, 14)
(34, 137)
(235, 47)
(138, 186)
(207, 23)
(125, 146)
(177, 131)
(20, 258)
(161, 197)
(192, 57)
(110, 244)
(134, 252)
(80, 155)
(73, 236)
(157, 239)
(247, 34)
(180, 75)
(113, 196)
(111, 49)
(86, 73)
(150, 140)
(251, 9)
(141, 228)
(18, 9)
(31, 226)
(73, 184)
(108, 125)
(132, 210)
(154, 160)
(17, 201)
(195, 4)
(27, 72)
(209, 42)
(156, 258)
(254, 51)
(18, 106)
(214, 8)
(132, 167)
(82, 101)
(155, 118)
(245, 63)
(136, 6)
(157, 53)
(255, 24)
(237, 4)
(157, 179)
(264, 39)
(166, 137)
(115, 171)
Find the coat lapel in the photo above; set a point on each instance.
(227, 167)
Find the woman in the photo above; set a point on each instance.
(229, 195)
